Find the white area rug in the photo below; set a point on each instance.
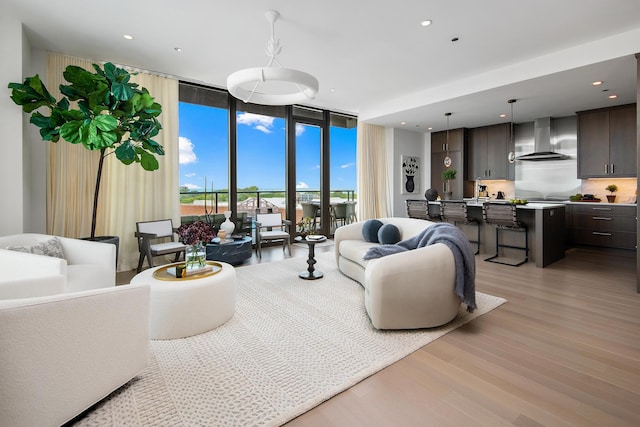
(291, 345)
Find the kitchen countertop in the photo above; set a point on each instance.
(530, 205)
(600, 203)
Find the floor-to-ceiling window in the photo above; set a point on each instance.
(204, 150)
(262, 157)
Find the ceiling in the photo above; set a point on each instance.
(372, 58)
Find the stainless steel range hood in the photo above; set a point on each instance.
(542, 143)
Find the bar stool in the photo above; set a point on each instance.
(456, 212)
(503, 216)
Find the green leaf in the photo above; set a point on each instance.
(153, 147)
(148, 161)
(122, 91)
(105, 123)
(72, 132)
(126, 153)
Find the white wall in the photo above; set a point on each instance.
(13, 186)
(400, 143)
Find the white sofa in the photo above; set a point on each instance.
(407, 290)
(61, 354)
(86, 265)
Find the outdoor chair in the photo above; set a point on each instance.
(312, 211)
(339, 214)
(156, 238)
(265, 224)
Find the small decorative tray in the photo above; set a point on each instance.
(168, 272)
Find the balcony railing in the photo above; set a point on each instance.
(217, 200)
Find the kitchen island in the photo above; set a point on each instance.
(545, 226)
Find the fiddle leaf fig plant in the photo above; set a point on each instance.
(113, 116)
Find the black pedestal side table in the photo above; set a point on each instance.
(311, 273)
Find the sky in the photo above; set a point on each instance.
(261, 151)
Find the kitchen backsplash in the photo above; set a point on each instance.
(626, 188)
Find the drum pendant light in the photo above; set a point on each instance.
(271, 85)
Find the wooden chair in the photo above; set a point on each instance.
(456, 212)
(265, 224)
(162, 231)
(503, 216)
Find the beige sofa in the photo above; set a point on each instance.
(408, 290)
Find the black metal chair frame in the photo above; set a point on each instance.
(456, 212)
(507, 222)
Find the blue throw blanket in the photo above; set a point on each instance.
(459, 245)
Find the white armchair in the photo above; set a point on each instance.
(61, 354)
(86, 265)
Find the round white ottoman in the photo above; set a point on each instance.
(187, 307)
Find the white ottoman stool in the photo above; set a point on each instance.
(185, 307)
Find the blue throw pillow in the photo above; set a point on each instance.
(389, 234)
(370, 230)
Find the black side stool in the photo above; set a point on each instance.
(456, 212)
(503, 216)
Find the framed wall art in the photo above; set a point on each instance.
(410, 179)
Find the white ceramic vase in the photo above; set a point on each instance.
(227, 225)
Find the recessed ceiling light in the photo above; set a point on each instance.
(613, 96)
(429, 128)
(128, 36)
(332, 89)
(503, 115)
(403, 123)
(426, 22)
(597, 83)
(177, 49)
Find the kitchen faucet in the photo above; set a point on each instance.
(477, 189)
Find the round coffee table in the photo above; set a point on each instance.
(182, 307)
(232, 251)
(311, 273)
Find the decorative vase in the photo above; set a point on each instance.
(227, 225)
(611, 198)
(410, 185)
(196, 256)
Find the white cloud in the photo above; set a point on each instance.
(190, 175)
(302, 185)
(256, 121)
(299, 129)
(262, 128)
(347, 165)
(316, 167)
(185, 150)
(191, 186)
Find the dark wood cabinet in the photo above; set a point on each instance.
(487, 154)
(607, 142)
(603, 225)
(456, 144)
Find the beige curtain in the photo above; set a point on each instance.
(373, 188)
(128, 193)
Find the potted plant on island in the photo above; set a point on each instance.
(113, 115)
(447, 176)
(612, 188)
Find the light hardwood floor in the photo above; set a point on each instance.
(563, 351)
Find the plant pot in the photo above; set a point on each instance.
(447, 195)
(611, 198)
